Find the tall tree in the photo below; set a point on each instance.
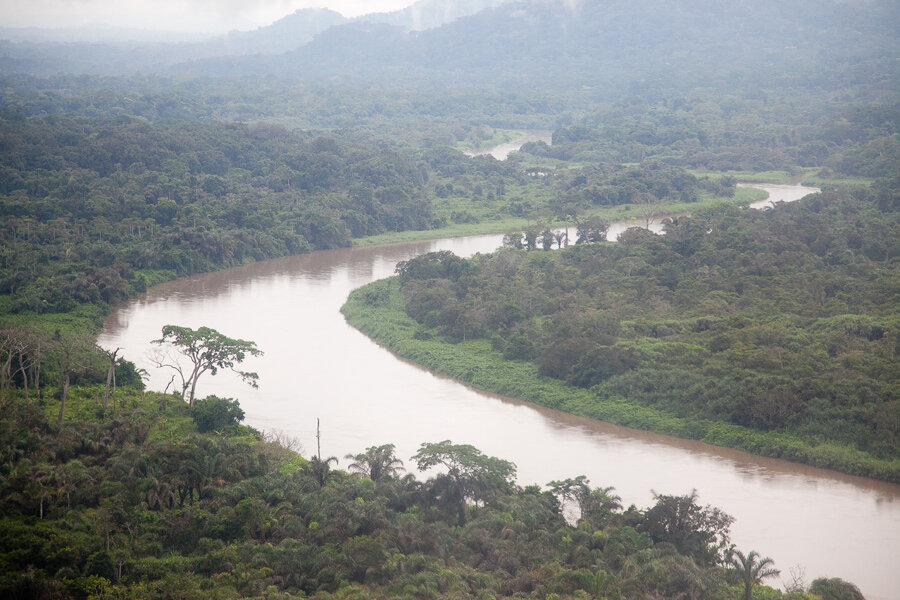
(752, 570)
(320, 470)
(470, 474)
(701, 532)
(209, 351)
(110, 376)
(70, 349)
(376, 463)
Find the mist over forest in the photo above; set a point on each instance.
(129, 158)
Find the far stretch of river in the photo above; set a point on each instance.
(502, 151)
(317, 366)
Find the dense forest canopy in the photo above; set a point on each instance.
(781, 320)
(90, 202)
(155, 500)
(126, 164)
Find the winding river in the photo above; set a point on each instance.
(502, 151)
(318, 367)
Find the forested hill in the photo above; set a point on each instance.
(607, 48)
(644, 44)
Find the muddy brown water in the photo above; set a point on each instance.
(317, 366)
(502, 151)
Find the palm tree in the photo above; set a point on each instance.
(376, 462)
(320, 470)
(752, 569)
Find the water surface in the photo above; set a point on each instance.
(502, 151)
(317, 366)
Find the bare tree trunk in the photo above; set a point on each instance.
(5, 373)
(65, 395)
(194, 377)
(24, 371)
(110, 375)
(36, 366)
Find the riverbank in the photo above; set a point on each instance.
(621, 213)
(378, 311)
(785, 509)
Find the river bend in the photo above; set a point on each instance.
(317, 366)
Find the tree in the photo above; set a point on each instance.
(376, 463)
(208, 350)
(513, 239)
(835, 588)
(561, 237)
(21, 346)
(68, 477)
(320, 470)
(110, 376)
(649, 207)
(531, 235)
(701, 532)
(11, 343)
(591, 229)
(213, 413)
(546, 238)
(570, 490)
(470, 474)
(38, 478)
(70, 350)
(594, 505)
(752, 570)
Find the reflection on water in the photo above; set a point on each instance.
(316, 366)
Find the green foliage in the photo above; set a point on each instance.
(752, 569)
(470, 475)
(214, 414)
(97, 209)
(208, 351)
(834, 588)
(696, 531)
(103, 505)
(109, 185)
(769, 331)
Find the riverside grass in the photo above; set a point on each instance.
(377, 310)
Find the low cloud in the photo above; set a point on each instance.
(174, 15)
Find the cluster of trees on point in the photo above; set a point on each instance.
(781, 320)
(156, 499)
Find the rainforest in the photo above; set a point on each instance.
(126, 165)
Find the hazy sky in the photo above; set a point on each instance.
(174, 15)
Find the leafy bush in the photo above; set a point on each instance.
(213, 413)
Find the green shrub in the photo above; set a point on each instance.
(213, 413)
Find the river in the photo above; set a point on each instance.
(317, 366)
(502, 151)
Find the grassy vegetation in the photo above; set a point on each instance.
(378, 310)
(503, 224)
(780, 176)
